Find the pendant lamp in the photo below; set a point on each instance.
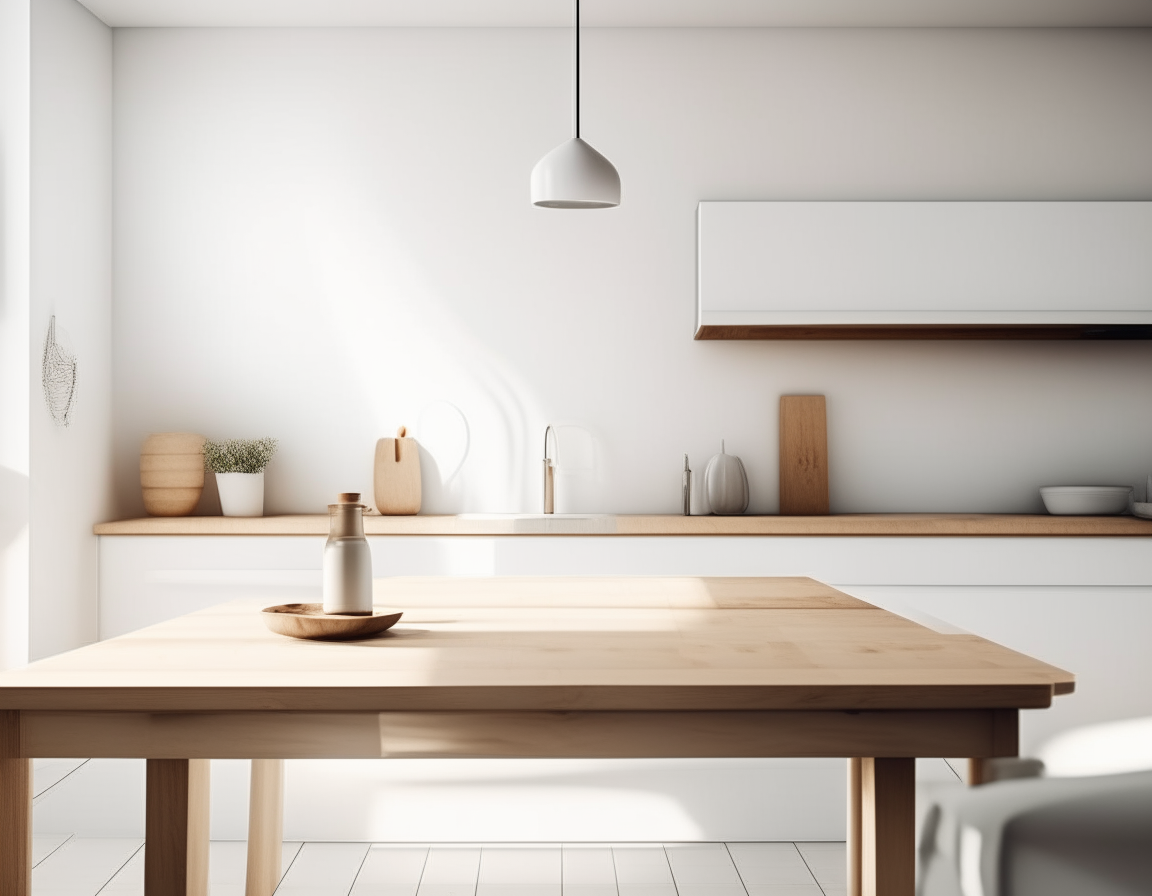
(574, 175)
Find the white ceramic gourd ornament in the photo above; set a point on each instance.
(726, 484)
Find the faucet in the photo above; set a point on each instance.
(549, 473)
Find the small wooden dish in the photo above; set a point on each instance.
(310, 621)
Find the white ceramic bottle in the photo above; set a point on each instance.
(347, 559)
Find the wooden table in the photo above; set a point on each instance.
(527, 667)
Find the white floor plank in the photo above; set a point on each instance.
(828, 862)
(227, 868)
(770, 865)
(520, 865)
(103, 798)
(129, 880)
(228, 865)
(668, 889)
(46, 844)
(324, 869)
(450, 866)
(587, 866)
(710, 889)
(703, 865)
(82, 866)
(383, 889)
(47, 773)
(519, 871)
(642, 865)
(811, 889)
(391, 871)
(447, 889)
(518, 889)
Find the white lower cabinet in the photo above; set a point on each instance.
(1084, 604)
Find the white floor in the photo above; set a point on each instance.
(73, 866)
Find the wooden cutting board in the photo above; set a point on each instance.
(396, 477)
(803, 456)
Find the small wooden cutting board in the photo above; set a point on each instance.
(397, 475)
(803, 456)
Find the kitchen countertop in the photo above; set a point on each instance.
(874, 524)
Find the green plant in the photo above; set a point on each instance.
(238, 455)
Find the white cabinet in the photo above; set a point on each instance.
(924, 269)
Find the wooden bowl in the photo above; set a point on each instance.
(310, 621)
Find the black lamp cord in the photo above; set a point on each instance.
(577, 55)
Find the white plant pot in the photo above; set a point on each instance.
(241, 494)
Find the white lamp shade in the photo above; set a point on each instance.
(574, 175)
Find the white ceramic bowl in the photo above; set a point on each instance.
(1086, 500)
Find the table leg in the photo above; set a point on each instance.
(977, 773)
(15, 810)
(265, 827)
(888, 826)
(854, 826)
(176, 828)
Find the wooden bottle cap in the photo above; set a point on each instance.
(348, 498)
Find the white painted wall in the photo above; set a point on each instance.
(15, 50)
(71, 277)
(321, 234)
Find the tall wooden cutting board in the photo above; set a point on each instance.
(803, 456)
(396, 483)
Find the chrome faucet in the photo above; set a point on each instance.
(549, 473)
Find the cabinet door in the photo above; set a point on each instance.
(1075, 268)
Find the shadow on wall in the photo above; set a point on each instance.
(445, 440)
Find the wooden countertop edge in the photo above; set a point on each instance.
(886, 524)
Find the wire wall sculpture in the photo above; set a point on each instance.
(59, 377)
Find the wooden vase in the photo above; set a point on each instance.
(172, 473)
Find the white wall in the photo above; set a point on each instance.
(14, 198)
(321, 234)
(71, 277)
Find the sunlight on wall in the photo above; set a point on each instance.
(1108, 749)
(358, 280)
(519, 800)
(13, 586)
(538, 800)
(548, 814)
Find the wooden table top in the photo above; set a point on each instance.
(557, 643)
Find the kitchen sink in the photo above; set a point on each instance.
(551, 523)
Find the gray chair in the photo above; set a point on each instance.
(1087, 835)
(1041, 837)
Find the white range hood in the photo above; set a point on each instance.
(945, 270)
